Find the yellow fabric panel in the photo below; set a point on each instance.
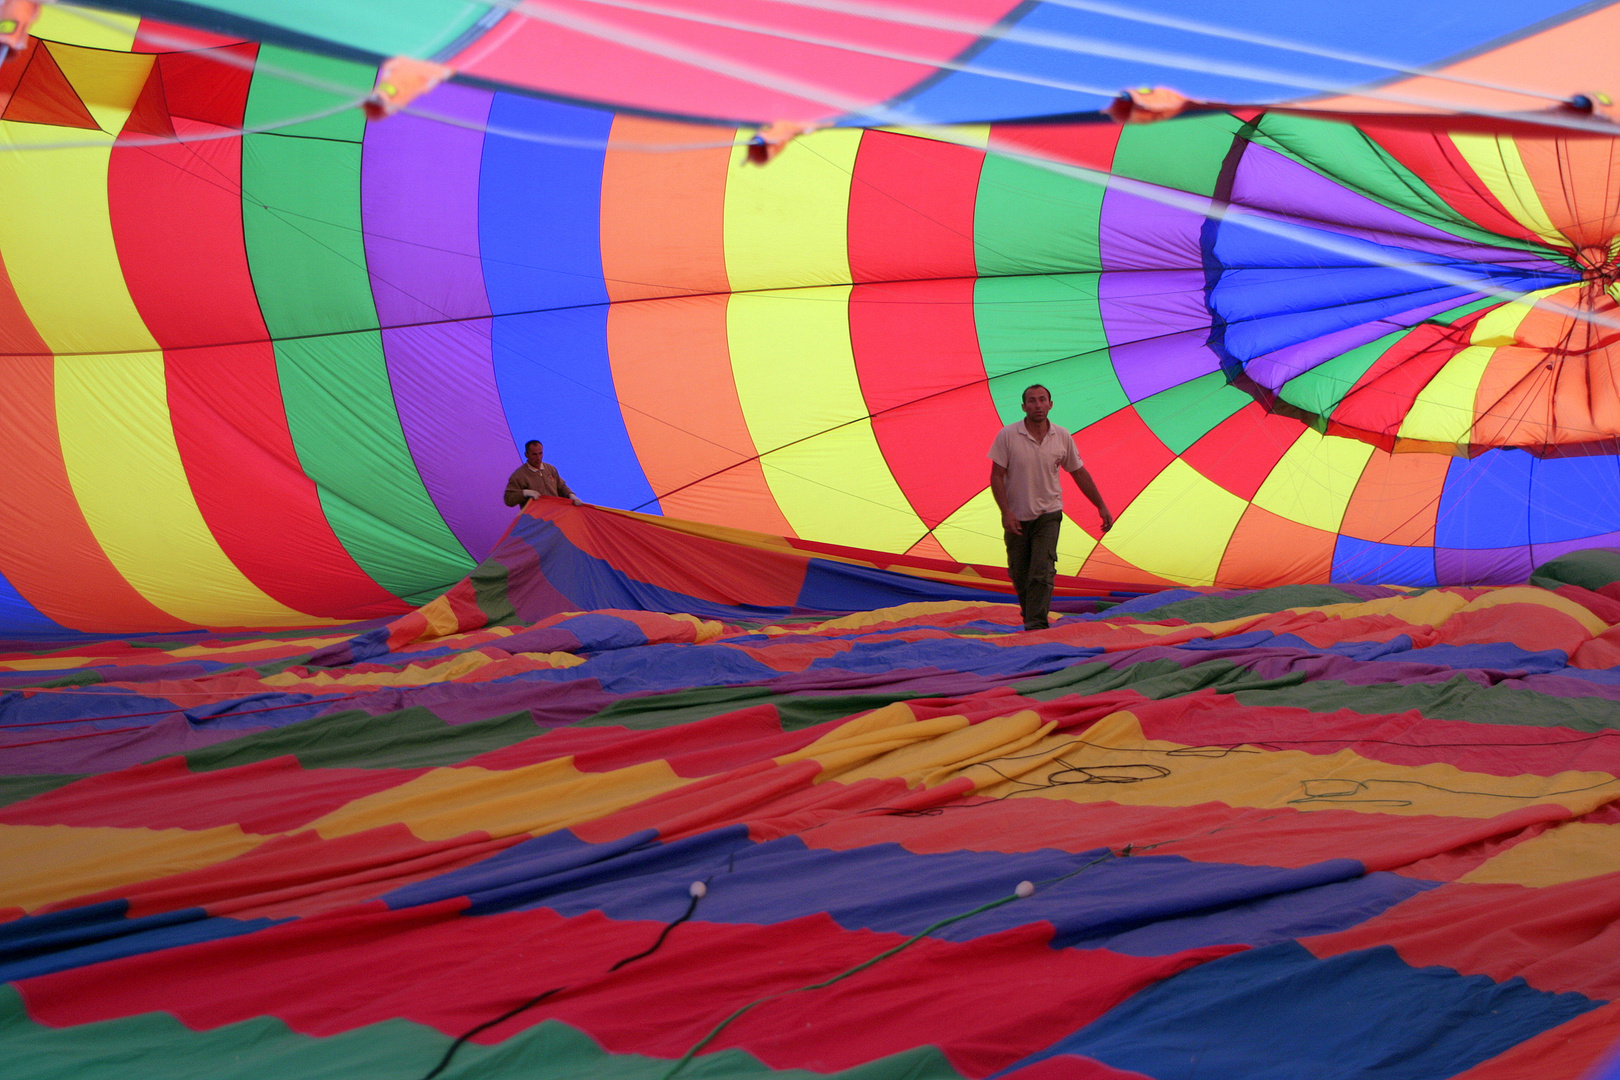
(787, 224)
(122, 459)
(1495, 160)
(1443, 411)
(450, 802)
(879, 616)
(415, 675)
(107, 84)
(1178, 527)
(1248, 776)
(800, 395)
(839, 754)
(45, 864)
(1529, 594)
(1569, 852)
(95, 29)
(973, 533)
(1312, 482)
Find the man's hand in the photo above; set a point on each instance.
(577, 500)
(1010, 523)
(530, 493)
(1107, 521)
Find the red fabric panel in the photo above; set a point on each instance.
(682, 562)
(207, 85)
(911, 204)
(44, 96)
(1090, 145)
(1382, 397)
(1531, 627)
(1209, 832)
(917, 355)
(1429, 152)
(702, 974)
(176, 216)
(1122, 454)
(272, 796)
(1240, 452)
(1557, 938)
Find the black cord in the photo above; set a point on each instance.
(698, 891)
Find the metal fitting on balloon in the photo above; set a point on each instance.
(400, 81)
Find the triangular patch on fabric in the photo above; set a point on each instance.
(11, 73)
(930, 548)
(44, 95)
(108, 83)
(150, 116)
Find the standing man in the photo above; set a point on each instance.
(1026, 459)
(535, 478)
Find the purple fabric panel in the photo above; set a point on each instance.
(550, 703)
(1276, 368)
(1154, 316)
(1286, 190)
(1157, 326)
(1484, 566)
(419, 201)
(1540, 553)
(109, 751)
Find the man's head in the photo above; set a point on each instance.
(1037, 402)
(534, 452)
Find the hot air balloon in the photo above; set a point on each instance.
(316, 757)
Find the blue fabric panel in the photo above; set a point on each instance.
(659, 668)
(1496, 656)
(1392, 29)
(1279, 1013)
(1485, 502)
(1574, 498)
(1380, 564)
(599, 633)
(1274, 291)
(836, 586)
(1144, 905)
(539, 231)
(61, 940)
(23, 622)
(976, 657)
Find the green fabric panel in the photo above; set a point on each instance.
(1346, 155)
(1183, 414)
(281, 91)
(1321, 389)
(156, 1044)
(489, 582)
(1153, 679)
(1458, 698)
(302, 226)
(1030, 220)
(385, 27)
(341, 415)
(1590, 569)
(1046, 329)
(409, 739)
(1263, 602)
(14, 789)
(1185, 153)
(656, 711)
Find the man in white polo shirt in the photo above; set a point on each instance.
(1026, 459)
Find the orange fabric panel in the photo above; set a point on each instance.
(1296, 554)
(1397, 499)
(1559, 385)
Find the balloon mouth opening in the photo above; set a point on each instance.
(1599, 264)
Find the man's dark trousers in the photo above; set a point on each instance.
(1032, 564)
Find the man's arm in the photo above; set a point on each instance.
(515, 495)
(998, 488)
(565, 491)
(1088, 488)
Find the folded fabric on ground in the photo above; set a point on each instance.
(1324, 831)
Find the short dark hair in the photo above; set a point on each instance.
(1033, 386)
(531, 442)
